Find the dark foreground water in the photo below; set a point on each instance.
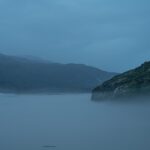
(72, 122)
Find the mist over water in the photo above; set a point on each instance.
(72, 122)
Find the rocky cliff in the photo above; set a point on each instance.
(131, 83)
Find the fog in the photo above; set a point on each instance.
(71, 122)
(74, 34)
(110, 35)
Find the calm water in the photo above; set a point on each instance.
(72, 122)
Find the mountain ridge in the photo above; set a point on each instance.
(131, 83)
(20, 75)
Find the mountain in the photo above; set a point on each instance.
(135, 82)
(23, 75)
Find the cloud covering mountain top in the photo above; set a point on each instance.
(112, 35)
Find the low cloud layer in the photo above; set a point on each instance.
(112, 35)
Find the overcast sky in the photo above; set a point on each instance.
(110, 34)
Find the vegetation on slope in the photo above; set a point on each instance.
(136, 81)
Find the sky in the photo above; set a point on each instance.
(112, 35)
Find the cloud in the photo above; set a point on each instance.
(99, 32)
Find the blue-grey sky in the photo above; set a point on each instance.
(110, 34)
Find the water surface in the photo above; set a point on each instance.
(72, 122)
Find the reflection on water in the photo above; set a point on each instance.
(72, 122)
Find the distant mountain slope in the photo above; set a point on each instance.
(22, 75)
(133, 82)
